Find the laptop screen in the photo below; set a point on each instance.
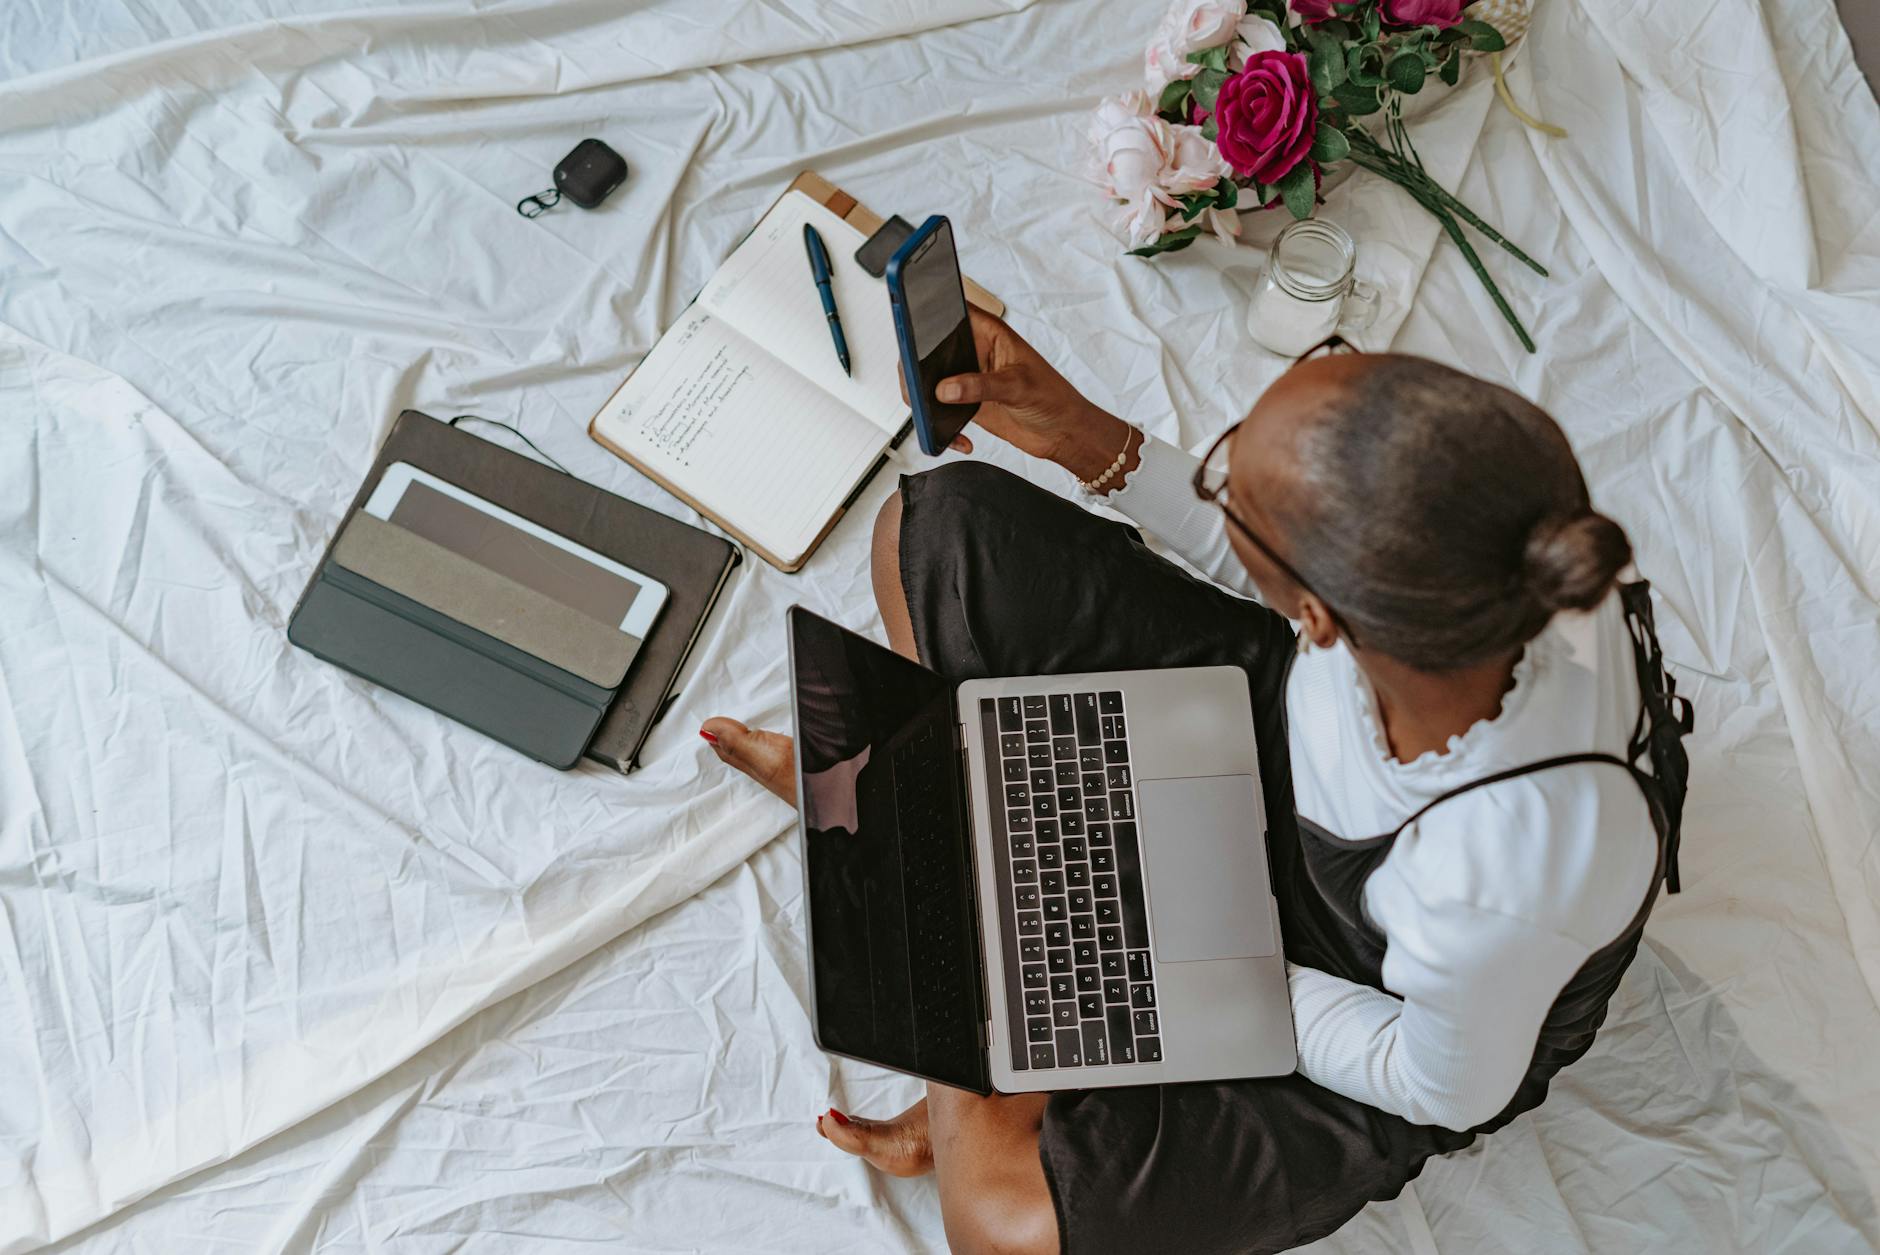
(893, 938)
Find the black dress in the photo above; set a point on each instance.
(1003, 578)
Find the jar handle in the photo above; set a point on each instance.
(1360, 307)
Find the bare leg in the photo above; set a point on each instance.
(769, 757)
(993, 1195)
(983, 1151)
(885, 567)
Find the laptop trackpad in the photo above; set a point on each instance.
(1205, 864)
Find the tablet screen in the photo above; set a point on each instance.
(517, 549)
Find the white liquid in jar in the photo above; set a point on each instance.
(1300, 297)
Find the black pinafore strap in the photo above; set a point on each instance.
(1664, 720)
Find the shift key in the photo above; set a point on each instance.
(1122, 1049)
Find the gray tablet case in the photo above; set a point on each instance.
(393, 607)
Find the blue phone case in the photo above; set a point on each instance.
(935, 422)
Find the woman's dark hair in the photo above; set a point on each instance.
(1443, 518)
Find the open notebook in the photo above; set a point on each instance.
(742, 410)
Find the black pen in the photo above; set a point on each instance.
(819, 269)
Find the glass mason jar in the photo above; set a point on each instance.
(1308, 291)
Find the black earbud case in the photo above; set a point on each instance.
(589, 174)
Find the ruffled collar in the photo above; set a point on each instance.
(1542, 655)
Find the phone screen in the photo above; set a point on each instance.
(938, 334)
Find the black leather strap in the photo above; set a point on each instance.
(1526, 769)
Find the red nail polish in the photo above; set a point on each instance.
(709, 736)
(840, 1118)
(819, 1124)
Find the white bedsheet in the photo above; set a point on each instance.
(287, 963)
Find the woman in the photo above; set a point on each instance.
(1422, 528)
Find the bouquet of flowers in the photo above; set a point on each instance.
(1249, 102)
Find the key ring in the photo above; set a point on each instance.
(540, 203)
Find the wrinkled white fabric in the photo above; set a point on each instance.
(287, 963)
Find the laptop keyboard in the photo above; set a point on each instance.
(1078, 976)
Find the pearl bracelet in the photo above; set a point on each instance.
(1097, 484)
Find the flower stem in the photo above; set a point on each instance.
(1419, 190)
(1405, 171)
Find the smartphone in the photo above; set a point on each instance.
(931, 323)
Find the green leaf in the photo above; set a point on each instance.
(1319, 70)
(1296, 187)
(1274, 10)
(1174, 241)
(1193, 203)
(1208, 88)
(1329, 144)
(1226, 194)
(1326, 62)
(1371, 24)
(1210, 58)
(1323, 40)
(1358, 99)
(1451, 71)
(1174, 98)
(1405, 73)
(1211, 129)
(1365, 63)
(1454, 35)
(1482, 36)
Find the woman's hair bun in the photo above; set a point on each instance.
(1572, 560)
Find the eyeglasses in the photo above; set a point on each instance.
(1211, 478)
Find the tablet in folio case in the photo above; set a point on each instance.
(534, 658)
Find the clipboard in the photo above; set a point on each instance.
(867, 221)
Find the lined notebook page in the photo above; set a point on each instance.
(744, 434)
(765, 290)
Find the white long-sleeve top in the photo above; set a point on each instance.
(1491, 902)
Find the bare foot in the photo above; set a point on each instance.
(898, 1147)
(766, 757)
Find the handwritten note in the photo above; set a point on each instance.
(745, 435)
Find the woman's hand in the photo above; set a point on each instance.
(1023, 400)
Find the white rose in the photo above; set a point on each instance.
(1194, 163)
(1116, 111)
(1162, 65)
(1134, 153)
(1143, 220)
(1256, 33)
(1196, 25)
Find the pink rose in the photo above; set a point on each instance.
(1312, 12)
(1421, 12)
(1266, 115)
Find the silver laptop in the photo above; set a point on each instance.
(1039, 883)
